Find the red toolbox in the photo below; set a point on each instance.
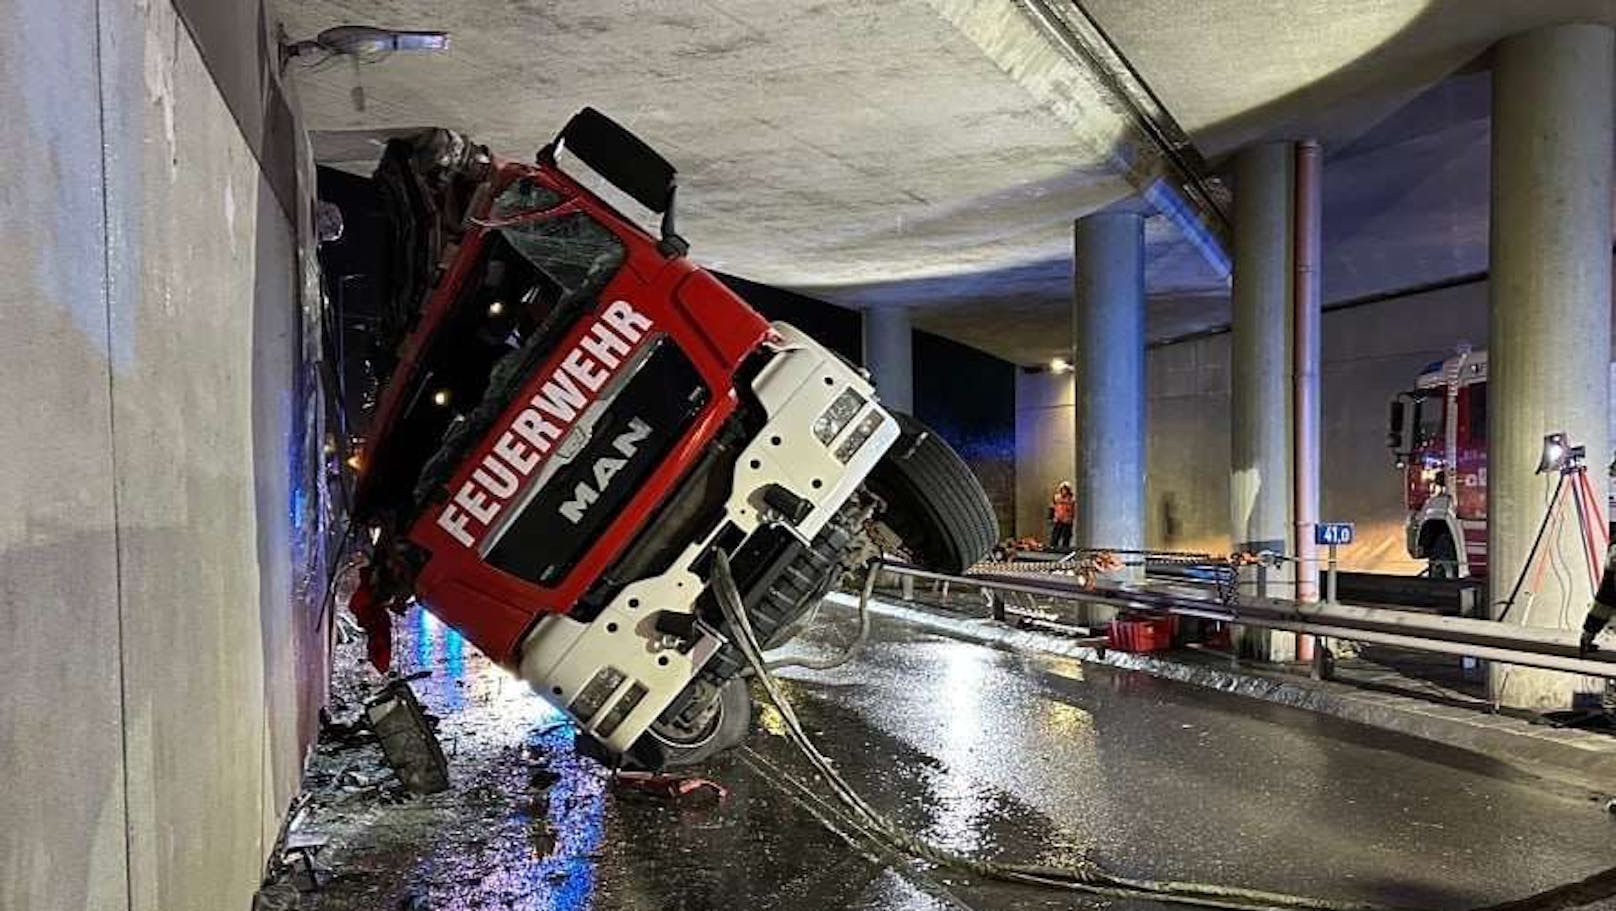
(1140, 633)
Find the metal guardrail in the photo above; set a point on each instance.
(1214, 598)
(1462, 597)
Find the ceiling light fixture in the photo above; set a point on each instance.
(360, 44)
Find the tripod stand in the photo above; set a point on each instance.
(1572, 465)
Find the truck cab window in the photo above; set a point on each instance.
(1476, 415)
(1429, 416)
(530, 281)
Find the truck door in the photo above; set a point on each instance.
(1470, 474)
(1418, 442)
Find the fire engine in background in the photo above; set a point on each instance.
(1438, 434)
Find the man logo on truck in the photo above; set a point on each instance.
(548, 416)
(606, 468)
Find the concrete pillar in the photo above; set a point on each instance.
(1549, 338)
(1108, 319)
(1260, 374)
(888, 356)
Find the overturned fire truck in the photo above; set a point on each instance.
(571, 418)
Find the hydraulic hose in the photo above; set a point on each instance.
(846, 654)
(1088, 878)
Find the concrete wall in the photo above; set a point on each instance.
(1187, 446)
(1370, 352)
(1046, 447)
(162, 657)
(62, 809)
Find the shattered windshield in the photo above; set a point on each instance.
(555, 269)
(575, 251)
(522, 196)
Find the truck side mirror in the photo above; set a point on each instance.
(1394, 426)
(627, 163)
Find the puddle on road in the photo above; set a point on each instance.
(946, 803)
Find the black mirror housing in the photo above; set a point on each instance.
(625, 160)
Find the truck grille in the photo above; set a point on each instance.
(632, 435)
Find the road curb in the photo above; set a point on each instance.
(1578, 758)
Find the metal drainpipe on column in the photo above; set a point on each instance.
(1305, 377)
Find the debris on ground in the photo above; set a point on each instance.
(408, 739)
(351, 732)
(541, 779)
(670, 787)
(280, 896)
(298, 856)
(518, 826)
(527, 824)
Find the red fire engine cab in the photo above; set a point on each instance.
(572, 419)
(1438, 435)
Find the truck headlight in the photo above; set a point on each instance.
(860, 435)
(830, 422)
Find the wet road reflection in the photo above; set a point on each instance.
(520, 827)
(985, 752)
(1162, 780)
(957, 820)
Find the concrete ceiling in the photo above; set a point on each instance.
(901, 154)
(819, 143)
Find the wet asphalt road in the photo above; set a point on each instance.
(1024, 758)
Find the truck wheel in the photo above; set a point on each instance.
(701, 732)
(934, 504)
(1444, 558)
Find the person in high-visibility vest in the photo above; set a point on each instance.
(1062, 510)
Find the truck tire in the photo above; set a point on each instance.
(934, 504)
(1444, 557)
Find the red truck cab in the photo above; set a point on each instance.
(1438, 436)
(578, 416)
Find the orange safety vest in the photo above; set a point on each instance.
(1063, 508)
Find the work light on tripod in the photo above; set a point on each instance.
(1559, 455)
(1570, 463)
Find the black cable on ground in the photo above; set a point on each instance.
(1089, 878)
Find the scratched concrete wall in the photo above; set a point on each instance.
(162, 655)
(1369, 354)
